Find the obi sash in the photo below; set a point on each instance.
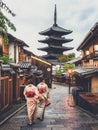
(42, 90)
(30, 93)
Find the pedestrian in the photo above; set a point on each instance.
(44, 94)
(31, 94)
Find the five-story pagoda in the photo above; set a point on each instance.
(55, 40)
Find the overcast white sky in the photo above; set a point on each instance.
(33, 16)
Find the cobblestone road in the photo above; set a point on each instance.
(60, 115)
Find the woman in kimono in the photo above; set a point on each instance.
(31, 95)
(43, 92)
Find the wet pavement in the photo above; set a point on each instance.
(62, 114)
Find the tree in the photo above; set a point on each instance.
(5, 23)
(69, 66)
(65, 58)
(71, 55)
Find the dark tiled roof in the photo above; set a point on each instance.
(28, 52)
(54, 62)
(54, 48)
(15, 65)
(55, 29)
(92, 34)
(75, 60)
(55, 40)
(14, 40)
(25, 65)
(49, 56)
(86, 72)
(6, 67)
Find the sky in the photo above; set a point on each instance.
(34, 16)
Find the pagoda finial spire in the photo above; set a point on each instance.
(55, 16)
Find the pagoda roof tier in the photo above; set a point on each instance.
(50, 56)
(54, 61)
(55, 48)
(55, 40)
(55, 29)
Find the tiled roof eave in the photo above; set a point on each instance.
(89, 36)
(61, 40)
(88, 72)
(55, 29)
(57, 47)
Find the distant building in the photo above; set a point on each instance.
(55, 40)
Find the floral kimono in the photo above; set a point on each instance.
(31, 95)
(43, 91)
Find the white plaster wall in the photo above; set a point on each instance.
(11, 52)
(17, 55)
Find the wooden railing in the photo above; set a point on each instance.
(5, 92)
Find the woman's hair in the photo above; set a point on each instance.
(29, 82)
(41, 79)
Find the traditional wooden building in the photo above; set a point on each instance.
(10, 79)
(15, 75)
(6, 94)
(89, 70)
(14, 48)
(55, 40)
(87, 75)
(89, 48)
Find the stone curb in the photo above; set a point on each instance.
(3, 121)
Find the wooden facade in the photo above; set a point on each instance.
(89, 71)
(89, 48)
(14, 49)
(4, 48)
(46, 68)
(10, 80)
(6, 93)
(90, 56)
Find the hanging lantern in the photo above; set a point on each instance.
(96, 47)
(87, 52)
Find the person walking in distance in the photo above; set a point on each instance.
(31, 95)
(44, 92)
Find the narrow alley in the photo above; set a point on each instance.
(62, 114)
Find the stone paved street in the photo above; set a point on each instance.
(62, 114)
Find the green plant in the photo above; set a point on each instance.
(69, 66)
(65, 58)
(5, 59)
(58, 72)
(5, 23)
